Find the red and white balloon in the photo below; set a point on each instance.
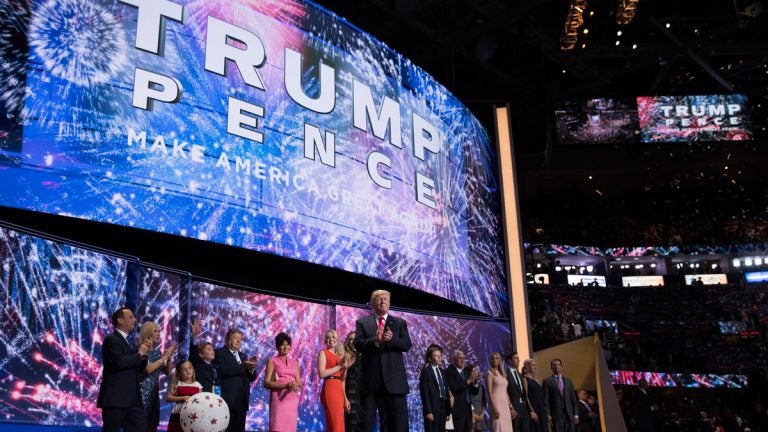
(204, 412)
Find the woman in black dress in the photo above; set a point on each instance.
(535, 397)
(353, 411)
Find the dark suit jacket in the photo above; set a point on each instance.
(430, 392)
(382, 365)
(460, 390)
(556, 405)
(585, 421)
(120, 379)
(517, 394)
(204, 372)
(234, 378)
(642, 407)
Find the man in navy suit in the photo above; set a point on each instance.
(236, 373)
(201, 356)
(119, 397)
(381, 339)
(459, 384)
(521, 421)
(434, 392)
(560, 399)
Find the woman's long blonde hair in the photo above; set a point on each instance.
(146, 331)
(499, 367)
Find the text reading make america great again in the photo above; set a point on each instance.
(227, 44)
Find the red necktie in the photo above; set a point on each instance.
(381, 321)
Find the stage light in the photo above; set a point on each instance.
(590, 268)
(634, 46)
(668, 25)
(758, 261)
(583, 46)
(714, 266)
(617, 43)
(586, 31)
(692, 265)
(558, 268)
(638, 266)
(748, 262)
(618, 33)
(538, 265)
(582, 270)
(736, 263)
(563, 70)
(653, 265)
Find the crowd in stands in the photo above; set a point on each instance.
(720, 329)
(718, 210)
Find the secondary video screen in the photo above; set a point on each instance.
(597, 121)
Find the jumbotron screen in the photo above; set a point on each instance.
(596, 121)
(694, 118)
(663, 379)
(274, 126)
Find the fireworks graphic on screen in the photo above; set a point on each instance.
(261, 317)
(56, 304)
(79, 41)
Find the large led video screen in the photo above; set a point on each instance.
(757, 276)
(272, 126)
(664, 379)
(586, 280)
(55, 307)
(597, 121)
(694, 118)
(642, 281)
(706, 279)
(477, 339)
(261, 317)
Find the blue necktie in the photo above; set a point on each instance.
(440, 383)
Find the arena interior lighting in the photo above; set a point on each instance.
(573, 22)
(625, 11)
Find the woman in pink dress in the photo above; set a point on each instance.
(496, 381)
(283, 379)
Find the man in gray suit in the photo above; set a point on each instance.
(560, 399)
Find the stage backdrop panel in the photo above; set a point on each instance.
(261, 317)
(478, 339)
(159, 292)
(274, 126)
(56, 302)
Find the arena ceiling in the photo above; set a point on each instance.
(494, 52)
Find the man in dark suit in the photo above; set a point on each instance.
(586, 414)
(559, 399)
(643, 408)
(434, 392)
(202, 356)
(521, 420)
(381, 340)
(459, 385)
(236, 373)
(119, 397)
